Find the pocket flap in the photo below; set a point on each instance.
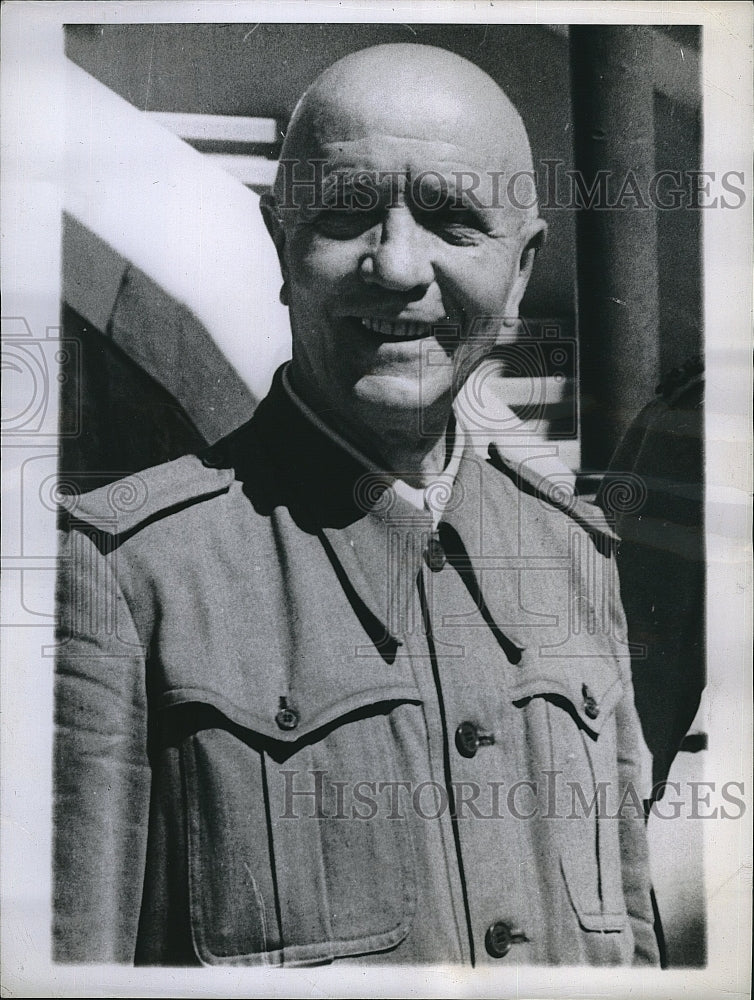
(291, 708)
(592, 913)
(592, 686)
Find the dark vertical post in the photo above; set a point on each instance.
(618, 301)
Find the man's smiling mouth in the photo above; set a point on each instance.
(395, 329)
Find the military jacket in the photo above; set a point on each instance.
(296, 725)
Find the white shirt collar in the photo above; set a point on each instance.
(433, 497)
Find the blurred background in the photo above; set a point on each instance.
(172, 325)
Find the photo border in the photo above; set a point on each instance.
(33, 111)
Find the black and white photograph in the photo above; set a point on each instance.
(377, 484)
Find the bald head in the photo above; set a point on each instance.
(403, 255)
(410, 92)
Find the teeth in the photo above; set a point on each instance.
(389, 328)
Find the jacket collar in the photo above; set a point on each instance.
(373, 535)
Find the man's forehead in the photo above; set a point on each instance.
(421, 112)
(389, 171)
(384, 127)
(404, 155)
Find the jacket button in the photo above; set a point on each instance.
(500, 937)
(591, 708)
(470, 737)
(287, 718)
(214, 458)
(434, 553)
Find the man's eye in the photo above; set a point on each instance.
(459, 234)
(344, 224)
(458, 226)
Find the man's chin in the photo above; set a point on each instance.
(400, 395)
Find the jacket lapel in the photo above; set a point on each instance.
(373, 537)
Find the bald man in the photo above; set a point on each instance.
(353, 685)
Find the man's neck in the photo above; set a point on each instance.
(413, 447)
(414, 465)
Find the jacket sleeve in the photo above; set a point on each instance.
(633, 833)
(101, 770)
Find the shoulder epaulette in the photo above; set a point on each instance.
(123, 506)
(550, 480)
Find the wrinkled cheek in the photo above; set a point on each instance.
(483, 330)
(484, 313)
(466, 360)
(307, 280)
(317, 260)
(479, 289)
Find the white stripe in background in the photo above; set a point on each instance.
(218, 128)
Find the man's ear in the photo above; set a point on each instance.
(269, 209)
(532, 238)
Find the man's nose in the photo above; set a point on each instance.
(402, 261)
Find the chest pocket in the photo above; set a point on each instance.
(288, 860)
(587, 799)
